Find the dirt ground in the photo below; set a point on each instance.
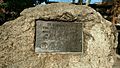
(117, 63)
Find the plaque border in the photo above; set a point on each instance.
(39, 52)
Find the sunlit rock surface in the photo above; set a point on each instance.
(17, 39)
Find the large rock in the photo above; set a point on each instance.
(17, 39)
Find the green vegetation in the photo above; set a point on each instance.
(18, 5)
(13, 8)
(88, 2)
(80, 2)
(3, 5)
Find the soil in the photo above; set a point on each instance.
(117, 63)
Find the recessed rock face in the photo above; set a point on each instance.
(17, 39)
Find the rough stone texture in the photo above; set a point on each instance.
(118, 20)
(17, 39)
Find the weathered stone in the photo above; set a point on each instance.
(17, 39)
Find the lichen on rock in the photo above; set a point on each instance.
(17, 39)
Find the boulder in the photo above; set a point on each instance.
(17, 39)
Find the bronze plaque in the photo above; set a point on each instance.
(53, 36)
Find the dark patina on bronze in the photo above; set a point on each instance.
(53, 36)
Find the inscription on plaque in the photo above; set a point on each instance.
(52, 36)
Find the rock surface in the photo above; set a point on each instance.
(17, 39)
